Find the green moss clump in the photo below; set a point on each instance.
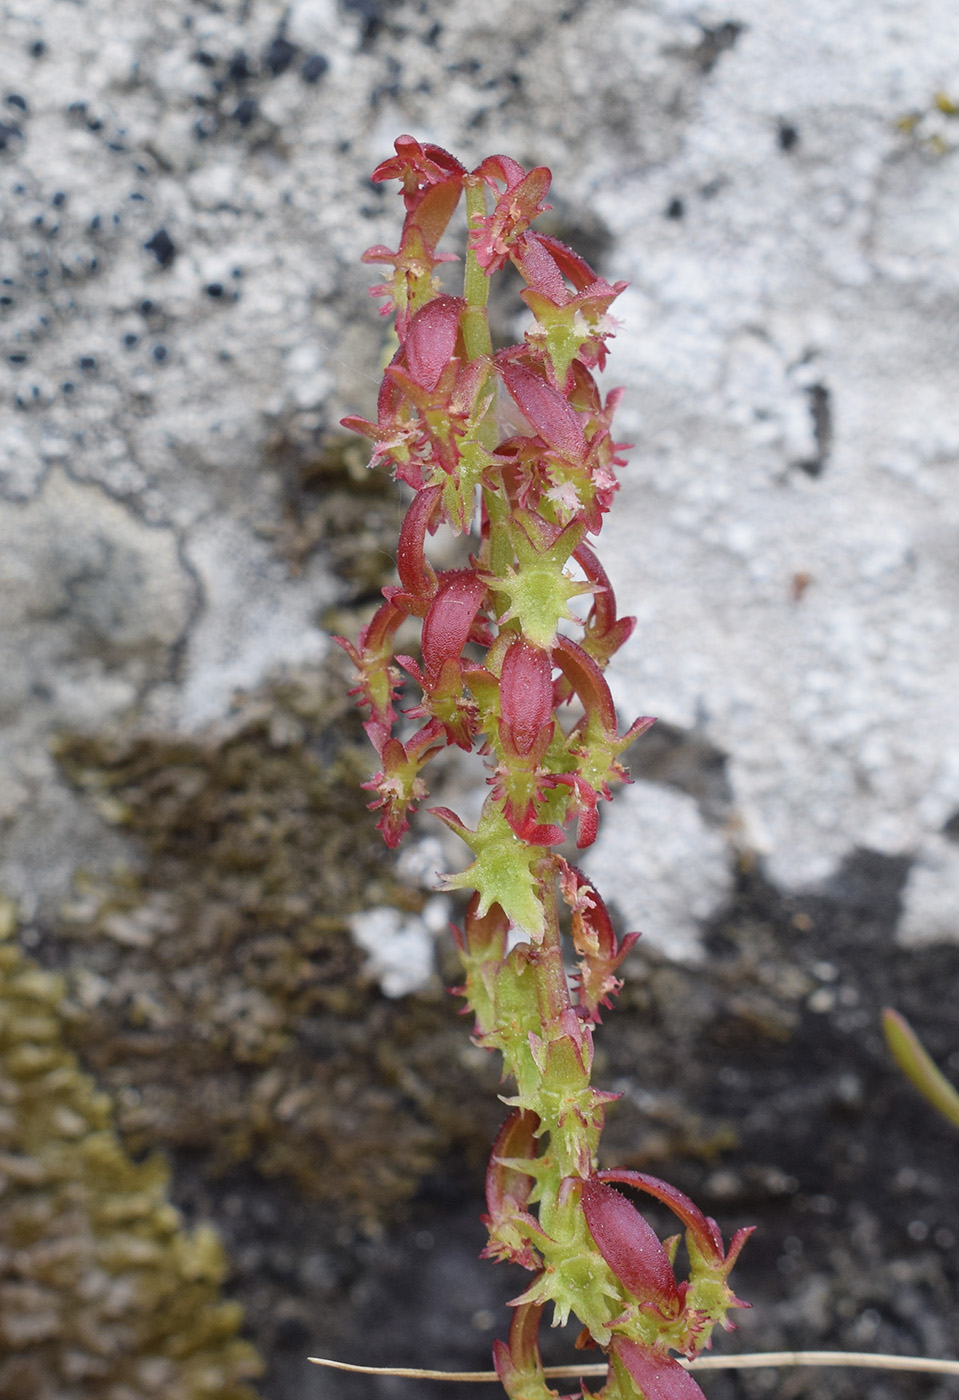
(102, 1291)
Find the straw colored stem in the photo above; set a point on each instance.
(748, 1362)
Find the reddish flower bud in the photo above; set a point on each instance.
(519, 1365)
(630, 1246)
(526, 694)
(703, 1228)
(658, 1376)
(449, 621)
(547, 411)
(508, 1187)
(430, 339)
(588, 683)
(417, 576)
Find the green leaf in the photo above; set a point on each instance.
(914, 1061)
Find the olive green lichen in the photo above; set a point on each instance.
(103, 1294)
(218, 989)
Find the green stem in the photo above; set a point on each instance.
(475, 281)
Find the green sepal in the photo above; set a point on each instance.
(575, 1278)
(538, 589)
(459, 486)
(505, 871)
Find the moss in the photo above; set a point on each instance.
(217, 989)
(102, 1291)
(332, 502)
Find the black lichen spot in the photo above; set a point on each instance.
(675, 209)
(716, 41)
(239, 70)
(370, 12)
(314, 68)
(58, 199)
(246, 111)
(87, 363)
(15, 100)
(9, 133)
(214, 289)
(131, 339)
(787, 136)
(279, 56)
(951, 828)
(68, 386)
(162, 246)
(37, 49)
(159, 353)
(205, 60)
(17, 358)
(820, 406)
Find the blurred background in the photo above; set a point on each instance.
(240, 1119)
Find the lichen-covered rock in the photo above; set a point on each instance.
(103, 1294)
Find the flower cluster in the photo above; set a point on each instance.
(516, 448)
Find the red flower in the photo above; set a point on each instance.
(508, 1189)
(595, 942)
(497, 236)
(594, 742)
(372, 656)
(413, 284)
(398, 785)
(419, 167)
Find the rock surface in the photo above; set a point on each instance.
(184, 196)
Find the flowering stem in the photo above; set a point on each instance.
(543, 489)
